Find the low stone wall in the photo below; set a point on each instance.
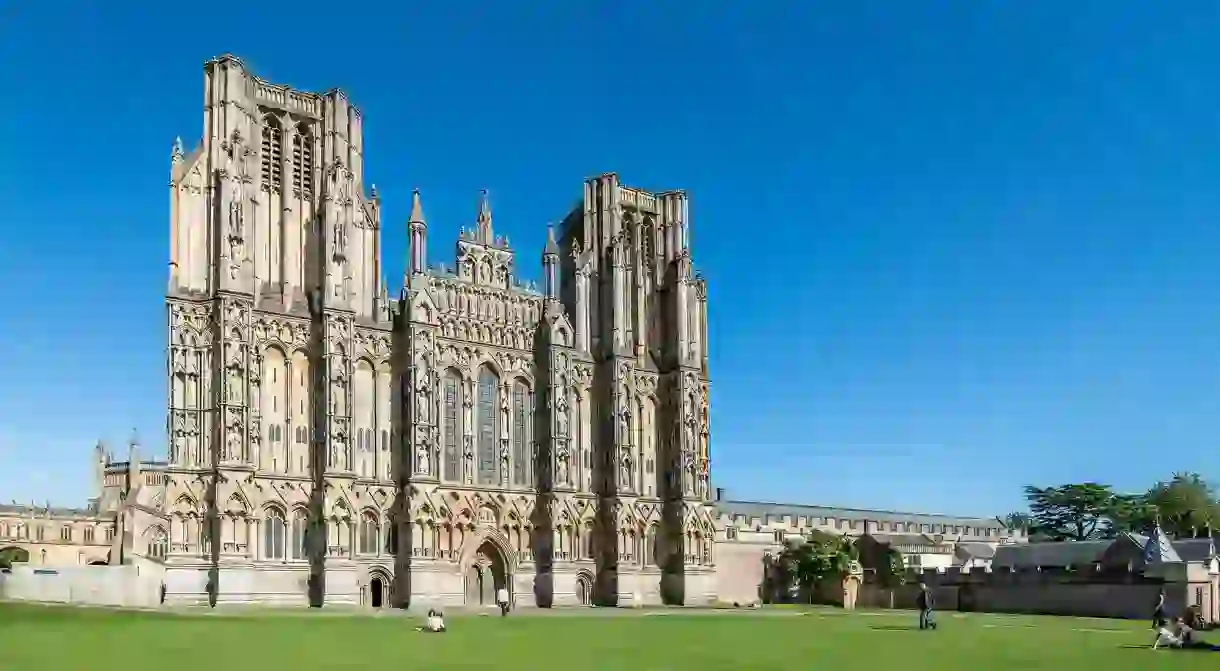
(1084, 593)
(132, 586)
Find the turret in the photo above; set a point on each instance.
(550, 265)
(418, 234)
(483, 231)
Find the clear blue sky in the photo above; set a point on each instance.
(953, 247)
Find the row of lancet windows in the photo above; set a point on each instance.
(486, 429)
(300, 161)
(67, 532)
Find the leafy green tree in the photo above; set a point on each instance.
(1186, 505)
(1129, 513)
(1071, 512)
(820, 556)
(12, 555)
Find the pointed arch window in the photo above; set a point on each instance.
(452, 426)
(298, 535)
(272, 152)
(522, 461)
(488, 428)
(302, 159)
(273, 534)
(158, 544)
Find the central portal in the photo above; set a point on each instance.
(486, 574)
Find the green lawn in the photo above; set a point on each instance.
(33, 637)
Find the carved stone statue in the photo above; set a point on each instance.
(561, 467)
(625, 473)
(422, 400)
(339, 234)
(237, 218)
(422, 461)
(468, 459)
(561, 413)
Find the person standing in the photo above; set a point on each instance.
(925, 603)
(502, 601)
(1158, 611)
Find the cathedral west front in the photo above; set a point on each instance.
(336, 442)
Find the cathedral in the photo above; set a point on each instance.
(426, 448)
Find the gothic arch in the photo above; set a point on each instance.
(236, 504)
(478, 364)
(496, 538)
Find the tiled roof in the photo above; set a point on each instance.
(975, 551)
(777, 510)
(1065, 553)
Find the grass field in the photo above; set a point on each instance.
(33, 637)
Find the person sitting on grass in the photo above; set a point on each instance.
(435, 624)
(1166, 638)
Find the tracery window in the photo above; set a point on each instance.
(299, 521)
(302, 159)
(273, 534)
(452, 426)
(522, 461)
(158, 544)
(369, 534)
(488, 428)
(272, 152)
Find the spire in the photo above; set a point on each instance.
(417, 235)
(1158, 549)
(550, 265)
(417, 210)
(551, 248)
(178, 153)
(483, 233)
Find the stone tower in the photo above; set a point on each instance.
(277, 327)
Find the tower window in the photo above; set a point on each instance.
(302, 159)
(272, 152)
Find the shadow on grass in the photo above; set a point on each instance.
(893, 627)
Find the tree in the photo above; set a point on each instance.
(818, 557)
(1186, 505)
(13, 555)
(1129, 513)
(1070, 512)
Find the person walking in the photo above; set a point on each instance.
(925, 603)
(1158, 611)
(502, 601)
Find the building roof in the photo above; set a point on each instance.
(777, 510)
(904, 539)
(1058, 553)
(1158, 549)
(975, 551)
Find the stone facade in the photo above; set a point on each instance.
(329, 443)
(472, 433)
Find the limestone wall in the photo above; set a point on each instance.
(739, 570)
(130, 586)
(1086, 593)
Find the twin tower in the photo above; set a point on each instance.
(473, 432)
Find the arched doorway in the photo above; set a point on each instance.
(584, 589)
(486, 573)
(376, 592)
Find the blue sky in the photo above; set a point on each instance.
(953, 247)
